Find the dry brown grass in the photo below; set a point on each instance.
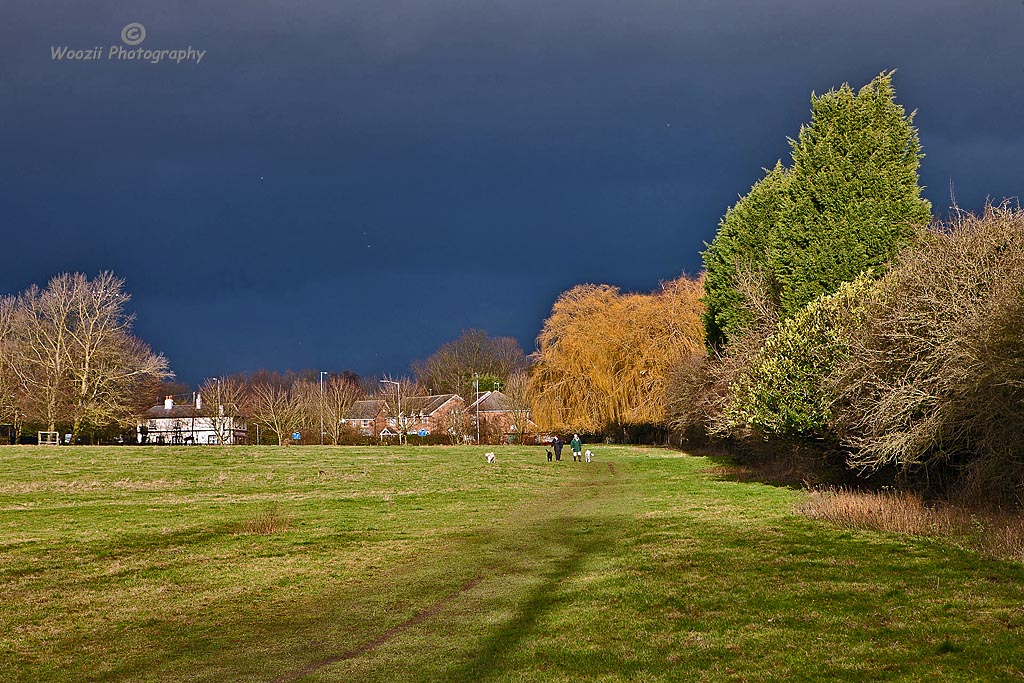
(995, 533)
(269, 520)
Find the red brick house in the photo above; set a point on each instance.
(500, 418)
(429, 413)
(433, 414)
(367, 417)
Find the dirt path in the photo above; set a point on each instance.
(563, 501)
(416, 619)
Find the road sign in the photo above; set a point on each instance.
(422, 432)
(296, 436)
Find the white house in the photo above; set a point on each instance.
(192, 424)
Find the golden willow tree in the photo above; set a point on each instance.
(604, 357)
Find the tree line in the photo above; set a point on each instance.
(284, 403)
(842, 330)
(69, 361)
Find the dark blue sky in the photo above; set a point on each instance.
(349, 184)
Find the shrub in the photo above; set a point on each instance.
(699, 388)
(689, 395)
(934, 383)
(787, 389)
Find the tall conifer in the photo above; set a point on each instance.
(847, 203)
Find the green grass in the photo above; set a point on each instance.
(426, 564)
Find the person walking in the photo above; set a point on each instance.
(557, 444)
(577, 448)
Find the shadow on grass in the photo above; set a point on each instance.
(781, 463)
(579, 539)
(757, 586)
(728, 469)
(547, 553)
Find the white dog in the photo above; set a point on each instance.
(588, 455)
(491, 458)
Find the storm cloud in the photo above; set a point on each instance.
(349, 184)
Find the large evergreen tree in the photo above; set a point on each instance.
(740, 246)
(848, 202)
(853, 198)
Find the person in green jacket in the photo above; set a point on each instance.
(577, 448)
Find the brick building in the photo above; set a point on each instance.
(500, 418)
(431, 414)
(368, 417)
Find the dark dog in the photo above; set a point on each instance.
(549, 456)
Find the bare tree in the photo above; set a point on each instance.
(105, 361)
(520, 399)
(69, 353)
(107, 386)
(42, 320)
(456, 424)
(393, 392)
(450, 369)
(278, 408)
(339, 393)
(224, 398)
(11, 392)
(309, 402)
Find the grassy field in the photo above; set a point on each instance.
(405, 564)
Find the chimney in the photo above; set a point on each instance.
(199, 401)
(168, 402)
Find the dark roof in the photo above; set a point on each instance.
(364, 410)
(492, 402)
(427, 405)
(181, 410)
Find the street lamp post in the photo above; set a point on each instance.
(217, 420)
(322, 373)
(401, 429)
